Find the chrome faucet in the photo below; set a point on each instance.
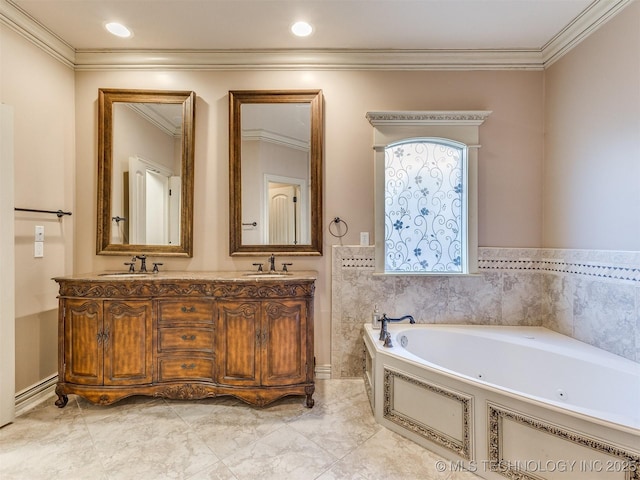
(272, 263)
(384, 334)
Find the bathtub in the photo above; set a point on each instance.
(515, 402)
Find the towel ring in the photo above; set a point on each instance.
(338, 220)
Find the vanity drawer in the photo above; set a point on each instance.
(185, 310)
(182, 368)
(194, 339)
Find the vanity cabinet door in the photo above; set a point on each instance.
(238, 337)
(262, 342)
(127, 342)
(107, 342)
(83, 358)
(284, 357)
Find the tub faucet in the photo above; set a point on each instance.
(272, 263)
(385, 320)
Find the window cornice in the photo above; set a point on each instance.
(432, 117)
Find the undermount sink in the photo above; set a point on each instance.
(267, 274)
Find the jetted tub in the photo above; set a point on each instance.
(514, 402)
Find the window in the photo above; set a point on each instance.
(425, 206)
(426, 191)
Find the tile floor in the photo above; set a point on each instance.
(149, 438)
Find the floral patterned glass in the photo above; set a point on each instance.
(425, 206)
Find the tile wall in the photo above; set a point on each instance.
(591, 295)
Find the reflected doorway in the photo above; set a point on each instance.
(286, 210)
(154, 208)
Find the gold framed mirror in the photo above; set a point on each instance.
(145, 172)
(275, 172)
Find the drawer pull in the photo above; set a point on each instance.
(191, 309)
(191, 366)
(188, 337)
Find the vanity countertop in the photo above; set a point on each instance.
(244, 276)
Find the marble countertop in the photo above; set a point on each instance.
(245, 276)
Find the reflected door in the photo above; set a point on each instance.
(149, 203)
(284, 218)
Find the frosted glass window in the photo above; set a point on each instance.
(425, 206)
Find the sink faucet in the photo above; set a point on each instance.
(272, 263)
(132, 265)
(384, 334)
(143, 262)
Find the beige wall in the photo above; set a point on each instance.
(41, 91)
(592, 140)
(588, 103)
(510, 170)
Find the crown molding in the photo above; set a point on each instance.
(335, 59)
(28, 27)
(165, 125)
(275, 138)
(332, 59)
(596, 14)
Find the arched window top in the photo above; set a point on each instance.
(428, 140)
(425, 206)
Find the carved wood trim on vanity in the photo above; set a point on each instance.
(179, 288)
(193, 324)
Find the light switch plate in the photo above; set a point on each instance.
(364, 238)
(38, 249)
(39, 233)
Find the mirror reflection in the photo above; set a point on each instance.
(145, 207)
(145, 184)
(276, 152)
(275, 174)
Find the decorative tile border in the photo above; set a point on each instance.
(359, 261)
(497, 414)
(613, 265)
(611, 272)
(462, 448)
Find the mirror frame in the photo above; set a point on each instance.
(236, 99)
(106, 99)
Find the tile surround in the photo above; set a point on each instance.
(590, 295)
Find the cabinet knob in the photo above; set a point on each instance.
(188, 337)
(188, 310)
(191, 366)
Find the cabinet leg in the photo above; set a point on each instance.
(310, 401)
(62, 400)
(309, 392)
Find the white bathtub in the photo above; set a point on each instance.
(515, 402)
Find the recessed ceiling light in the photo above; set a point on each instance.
(118, 29)
(301, 29)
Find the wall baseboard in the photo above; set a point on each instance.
(35, 394)
(323, 372)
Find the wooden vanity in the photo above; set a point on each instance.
(186, 335)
